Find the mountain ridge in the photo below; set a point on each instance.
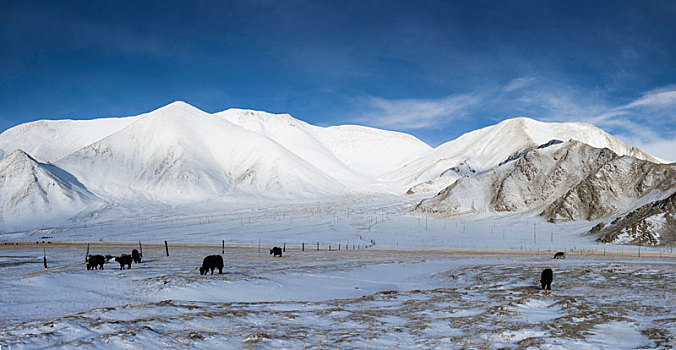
(180, 154)
(492, 145)
(570, 181)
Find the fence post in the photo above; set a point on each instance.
(166, 247)
(223, 248)
(338, 246)
(302, 248)
(317, 246)
(329, 247)
(140, 247)
(87, 253)
(284, 247)
(44, 257)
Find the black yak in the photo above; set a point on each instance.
(124, 259)
(95, 261)
(546, 279)
(136, 256)
(277, 251)
(560, 255)
(212, 262)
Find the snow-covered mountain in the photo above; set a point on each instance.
(348, 152)
(179, 154)
(486, 148)
(33, 193)
(50, 140)
(564, 182)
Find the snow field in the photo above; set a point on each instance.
(356, 299)
(353, 221)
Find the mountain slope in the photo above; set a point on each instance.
(180, 154)
(33, 193)
(619, 185)
(371, 151)
(564, 182)
(296, 136)
(486, 148)
(651, 224)
(51, 140)
(348, 152)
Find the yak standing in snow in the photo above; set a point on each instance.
(560, 255)
(212, 262)
(136, 256)
(546, 279)
(277, 251)
(95, 261)
(124, 259)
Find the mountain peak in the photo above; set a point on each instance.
(519, 120)
(178, 107)
(530, 122)
(239, 116)
(174, 114)
(19, 156)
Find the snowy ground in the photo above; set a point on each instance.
(452, 283)
(339, 299)
(359, 220)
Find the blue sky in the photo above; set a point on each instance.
(435, 69)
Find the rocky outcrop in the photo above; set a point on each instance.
(612, 189)
(652, 224)
(563, 182)
(445, 179)
(538, 176)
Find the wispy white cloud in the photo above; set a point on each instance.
(413, 114)
(519, 83)
(654, 99)
(647, 122)
(557, 106)
(651, 102)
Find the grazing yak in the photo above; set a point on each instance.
(95, 261)
(546, 279)
(277, 251)
(212, 262)
(108, 258)
(560, 255)
(124, 259)
(136, 256)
